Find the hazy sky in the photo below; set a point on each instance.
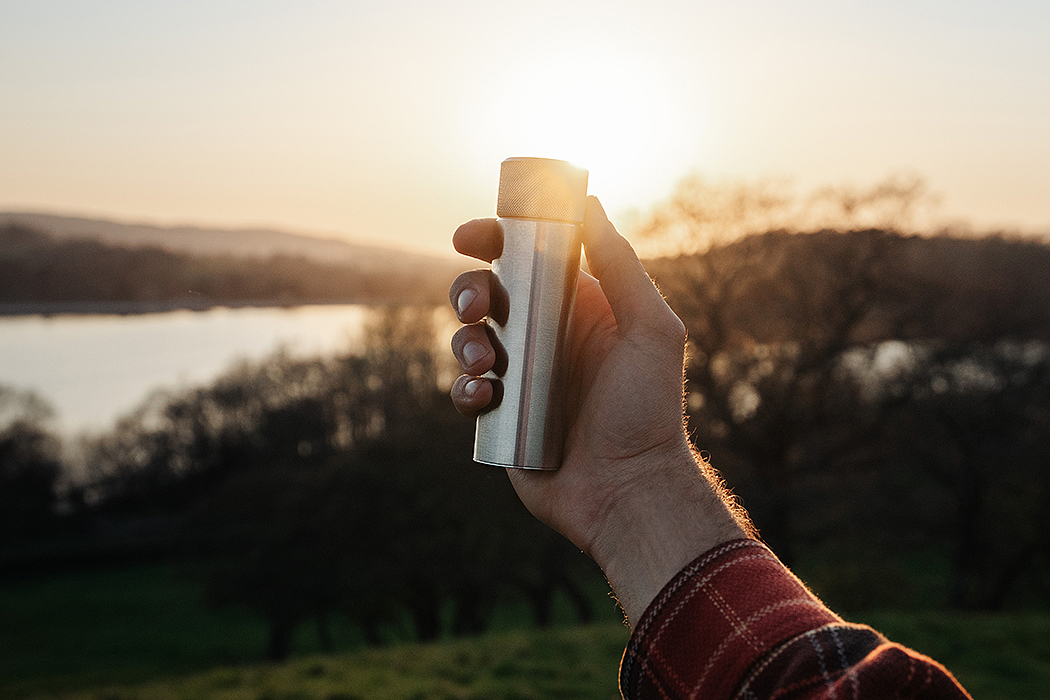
(388, 120)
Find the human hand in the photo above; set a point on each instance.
(629, 492)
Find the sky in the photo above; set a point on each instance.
(387, 121)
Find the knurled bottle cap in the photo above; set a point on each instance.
(541, 188)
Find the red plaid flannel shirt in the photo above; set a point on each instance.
(736, 623)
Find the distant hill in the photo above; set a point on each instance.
(249, 243)
(54, 264)
(763, 288)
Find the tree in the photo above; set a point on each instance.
(770, 321)
(793, 391)
(970, 460)
(30, 467)
(346, 485)
(342, 485)
(701, 214)
(787, 331)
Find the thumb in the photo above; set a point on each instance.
(632, 295)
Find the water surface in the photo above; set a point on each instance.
(93, 368)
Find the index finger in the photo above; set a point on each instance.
(480, 239)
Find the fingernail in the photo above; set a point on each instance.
(471, 387)
(474, 351)
(464, 299)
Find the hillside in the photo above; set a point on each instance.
(249, 243)
(997, 657)
(765, 287)
(58, 264)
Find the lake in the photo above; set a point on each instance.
(94, 368)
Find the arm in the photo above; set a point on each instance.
(713, 610)
(735, 623)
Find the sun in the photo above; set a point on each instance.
(610, 111)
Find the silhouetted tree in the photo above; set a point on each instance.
(338, 485)
(769, 324)
(972, 461)
(29, 467)
(784, 378)
(701, 213)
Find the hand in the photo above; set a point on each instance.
(630, 492)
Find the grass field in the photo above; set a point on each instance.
(565, 663)
(130, 625)
(142, 633)
(994, 656)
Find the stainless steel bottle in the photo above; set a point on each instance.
(540, 208)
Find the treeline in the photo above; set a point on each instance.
(881, 404)
(308, 488)
(37, 268)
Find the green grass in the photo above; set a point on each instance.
(130, 625)
(565, 663)
(994, 656)
(142, 633)
(134, 623)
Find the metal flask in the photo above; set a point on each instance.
(540, 208)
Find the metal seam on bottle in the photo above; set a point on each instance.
(521, 443)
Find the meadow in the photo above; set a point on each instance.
(141, 633)
(331, 505)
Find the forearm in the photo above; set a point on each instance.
(675, 512)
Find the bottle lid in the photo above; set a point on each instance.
(541, 188)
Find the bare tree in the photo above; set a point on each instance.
(702, 213)
(770, 322)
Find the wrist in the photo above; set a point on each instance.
(663, 521)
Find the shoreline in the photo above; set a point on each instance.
(135, 308)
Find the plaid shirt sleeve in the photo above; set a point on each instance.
(736, 623)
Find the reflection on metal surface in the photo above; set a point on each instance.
(537, 273)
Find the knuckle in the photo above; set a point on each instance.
(460, 336)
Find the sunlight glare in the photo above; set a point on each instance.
(607, 111)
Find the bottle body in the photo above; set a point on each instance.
(535, 280)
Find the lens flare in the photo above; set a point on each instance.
(608, 111)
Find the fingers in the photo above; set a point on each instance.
(473, 349)
(469, 295)
(471, 395)
(635, 300)
(475, 295)
(477, 352)
(480, 239)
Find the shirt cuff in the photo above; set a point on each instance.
(727, 609)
